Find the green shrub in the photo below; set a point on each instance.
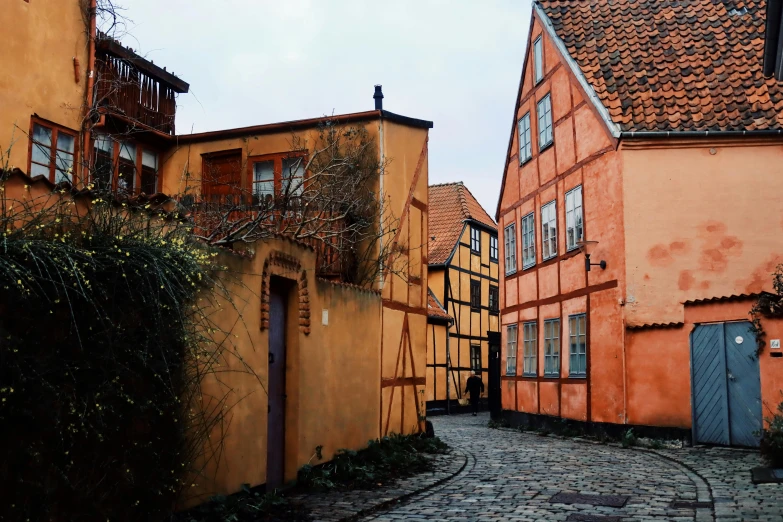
(383, 460)
(771, 446)
(628, 439)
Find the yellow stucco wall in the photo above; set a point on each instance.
(323, 368)
(404, 348)
(40, 42)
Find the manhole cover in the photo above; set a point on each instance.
(690, 504)
(592, 500)
(592, 518)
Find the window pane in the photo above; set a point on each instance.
(64, 162)
(149, 180)
(62, 175)
(293, 170)
(128, 151)
(42, 135)
(538, 58)
(103, 142)
(39, 170)
(41, 154)
(65, 142)
(149, 159)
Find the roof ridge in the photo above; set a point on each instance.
(447, 184)
(463, 202)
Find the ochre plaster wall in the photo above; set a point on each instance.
(40, 42)
(323, 367)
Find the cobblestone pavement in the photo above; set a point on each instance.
(512, 476)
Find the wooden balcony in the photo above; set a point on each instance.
(134, 88)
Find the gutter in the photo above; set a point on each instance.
(699, 134)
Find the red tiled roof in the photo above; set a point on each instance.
(450, 204)
(434, 309)
(673, 65)
(726, 298)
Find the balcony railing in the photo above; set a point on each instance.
(134, 88)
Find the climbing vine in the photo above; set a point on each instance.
(769, 306)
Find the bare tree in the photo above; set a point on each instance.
(328, 195)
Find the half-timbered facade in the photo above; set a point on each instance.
(632, 168)
(463, 279)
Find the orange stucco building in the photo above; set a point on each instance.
(659, 161)
(101, 115)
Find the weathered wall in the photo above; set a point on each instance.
(404, 348)
(40, 42)
(323, 367)
(702, 220)
(659, 387)
(583, 153)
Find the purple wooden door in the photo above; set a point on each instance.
(275, 449)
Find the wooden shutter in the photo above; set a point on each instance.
(221, 178)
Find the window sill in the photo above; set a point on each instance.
(525, 161)
(577, 376)
(528, 267)
(542, 148)
(511, 273)
(571, 249)
(493, 260)
(477, 252)
(548, 258)
(533, 375)
(552, 376)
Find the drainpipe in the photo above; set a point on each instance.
(379, 102)
(448, 373)
(89, 95)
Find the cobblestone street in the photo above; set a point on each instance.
(512, 476)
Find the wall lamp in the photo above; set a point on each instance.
(587, 248)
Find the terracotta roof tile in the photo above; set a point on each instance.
(435, 310)
(698, 61)
(450, 204)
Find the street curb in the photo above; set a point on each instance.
(391, 502)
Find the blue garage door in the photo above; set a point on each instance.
(726, 396)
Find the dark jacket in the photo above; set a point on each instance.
(475, 386)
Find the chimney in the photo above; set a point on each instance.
(378, 97)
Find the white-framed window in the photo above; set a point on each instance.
(528, 241)
(493, 248)
(475, 240)
(544, 122)
(525, 139)
(538, 59)
(510, 238)
(577, 333)
(574, 218)
(549, 230)
(552, 348)
(530, 333)
(511, 349)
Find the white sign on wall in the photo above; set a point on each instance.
(774, 343)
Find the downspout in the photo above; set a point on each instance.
(89, 95)
(448, 359)
(383, 202)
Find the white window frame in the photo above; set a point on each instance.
(577, 337)
(475, 239)
(530, 340)
(552, 348)
(549, 230)
(511, 349)
(493, 249)
(538, 59)
(528, 241)
(525, 139)
(510, 238)
(574, 218)
(545, 129)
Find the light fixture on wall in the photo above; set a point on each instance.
(587, 248)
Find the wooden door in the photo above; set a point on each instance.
(275, 449)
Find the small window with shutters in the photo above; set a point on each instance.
(221, 177)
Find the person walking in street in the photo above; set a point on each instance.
(475, 387)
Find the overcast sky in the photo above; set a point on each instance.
(249, 62)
